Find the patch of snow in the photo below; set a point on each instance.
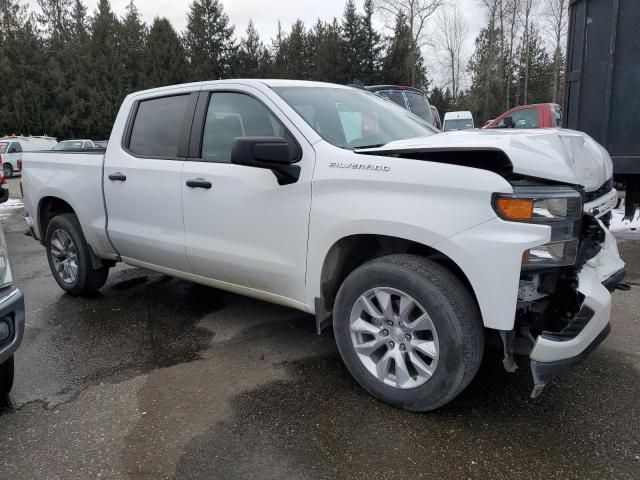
(619, 224)
(11, 204)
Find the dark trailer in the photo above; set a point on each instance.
(602, 94)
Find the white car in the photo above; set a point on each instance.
(11, 149)
(75, 145)
(454, 121)
(333, 201)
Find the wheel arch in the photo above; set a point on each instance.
(49, 207)
(352, 251)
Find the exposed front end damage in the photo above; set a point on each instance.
(563, 314)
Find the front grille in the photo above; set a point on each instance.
(603, 190)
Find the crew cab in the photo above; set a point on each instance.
(331, 200)
(538, 115)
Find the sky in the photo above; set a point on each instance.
(266, 13)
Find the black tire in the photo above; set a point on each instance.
(6, 377)
(453, 311)
(89, 279)
(7, 169)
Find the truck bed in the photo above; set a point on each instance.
(70, 176)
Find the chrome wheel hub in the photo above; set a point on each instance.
(64, 256)
(394, 337)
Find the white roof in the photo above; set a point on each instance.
(465, 114)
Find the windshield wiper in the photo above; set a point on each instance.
(374, 145)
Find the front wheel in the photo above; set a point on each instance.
(70, 258)
(6, 377)
(7, 169)
(409, 331)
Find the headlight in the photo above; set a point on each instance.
(6, 278)
(558, 207)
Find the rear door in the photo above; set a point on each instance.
(241, 227)
(142, 181)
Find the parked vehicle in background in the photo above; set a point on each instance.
(417, 245)
(539, 115)
(603, 84)
(410, 98)
(436, 118)
(75, 145)
(11, 313)
(457, 121)
(11, 148)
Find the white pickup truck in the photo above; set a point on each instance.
(336, 202)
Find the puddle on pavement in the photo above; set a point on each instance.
(139, 322)
(319, 424)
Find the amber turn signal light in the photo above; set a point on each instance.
(519, 209)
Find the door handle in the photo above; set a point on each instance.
(117, 177)
(198, 183)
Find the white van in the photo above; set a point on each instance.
(457, 121)
(11, 149)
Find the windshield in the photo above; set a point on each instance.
(69, 145)
(458, 124)
(3, 147)
(351, 118)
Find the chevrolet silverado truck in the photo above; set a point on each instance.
(415, 245)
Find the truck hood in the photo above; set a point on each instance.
(555, 154)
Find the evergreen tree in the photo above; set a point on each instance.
(541, 69)
(372, 47)
(353, 44)
(106, 73)
(399, 67)
(325, 45)
(252, 59)
(209, 40)
(279, 53)
(297, 53)
(133, 35)
(164, 56)
(22, 55)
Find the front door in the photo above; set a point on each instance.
(142, 184)
(241, 227)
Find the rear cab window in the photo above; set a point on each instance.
(157, 126)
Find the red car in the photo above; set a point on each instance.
(539, 115)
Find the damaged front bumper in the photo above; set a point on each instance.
(554, 353)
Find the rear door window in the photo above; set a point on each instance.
(419, 106)
(157, 127)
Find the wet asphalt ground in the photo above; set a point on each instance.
(159, 378)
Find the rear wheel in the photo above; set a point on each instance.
(7, 169)
(70, 258)
(6, 377)
(409, 331)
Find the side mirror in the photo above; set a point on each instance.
(274, 153)
(4, 194)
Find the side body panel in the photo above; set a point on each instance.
(144, 211)
(247, 230)
(75, 178)
(443, 206)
